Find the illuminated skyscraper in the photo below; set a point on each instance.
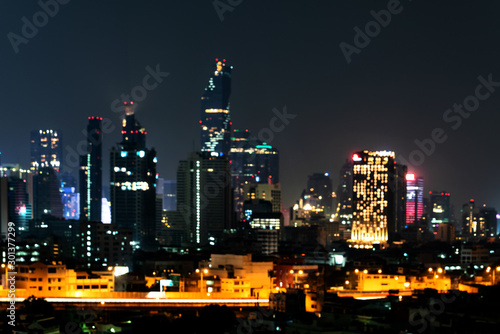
(133, 182)
(414, 198)
(204, 197)
(252, 161)
(91, 173)
(439, 210)
(378, 197)
(215, 119)
(46, 149)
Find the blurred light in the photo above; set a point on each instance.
(410, 177)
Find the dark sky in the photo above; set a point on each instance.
(284, 53)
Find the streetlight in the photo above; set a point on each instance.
(201, 272)
(6, 274)
(294, 278)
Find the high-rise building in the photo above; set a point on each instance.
(252, 162)
(378, 197)
(133, 182)
(319, 192)
(266, 192)
(489, 217)
(170, 195)
(204, 197)
(91, 173)
(262, 207)
(215, 120)
(20, 203)
(46, 149)
(414, 199)
(343, 213)
(439, 209)
(478, 222)
(4, 211)
(20, 210)
(46, 193)
(70, 198)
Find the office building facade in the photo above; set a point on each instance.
(379, 191)
(46, 149)
(133, 182)
(414, 199)
(204, 197)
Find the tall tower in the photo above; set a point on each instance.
(204, 197)
(91, 173)
(440, 209)
(378, 192)
(215, 119)
(414, 199)
(133, 182)
(46, 149)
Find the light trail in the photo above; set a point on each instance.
(147, 300)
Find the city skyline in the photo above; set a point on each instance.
(235, 166)
(396, 84)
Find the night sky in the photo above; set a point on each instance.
(284, 53)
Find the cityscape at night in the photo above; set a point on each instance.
(234, 166)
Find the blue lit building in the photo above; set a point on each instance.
(69, 197)
(133, 182)
(215, 120)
